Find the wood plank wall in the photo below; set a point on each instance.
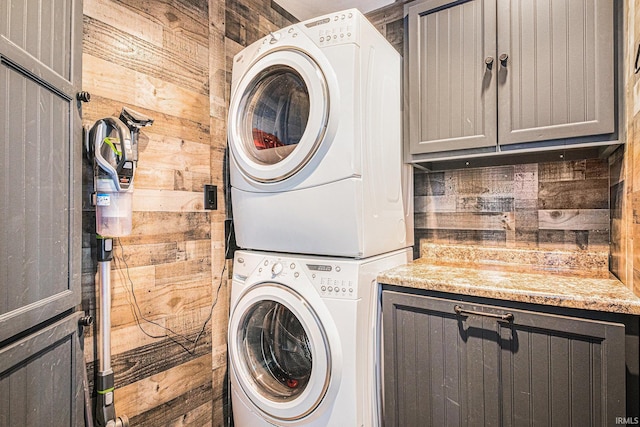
(625, 165)
(170, 60)
(556, 205)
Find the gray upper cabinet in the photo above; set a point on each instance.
(485, 74)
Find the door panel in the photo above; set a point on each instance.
(453, 96)
(42, 29)
(435, 372)
(561, 370)
(41, 378)
(473, 369)
(40, 155)
(558, 81)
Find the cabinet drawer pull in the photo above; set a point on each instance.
(503, 59)
(507, 317)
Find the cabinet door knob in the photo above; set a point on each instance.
(488, 61)
(503, 59)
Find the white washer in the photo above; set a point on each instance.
(303, 345)
(316, 143)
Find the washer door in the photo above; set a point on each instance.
(279, 352)
(278, 115)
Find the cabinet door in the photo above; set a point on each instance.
(558, 370)
(40, 161)
(444, 368)
(41, 378)
(558, 79)
(451, 92)
(434, 370)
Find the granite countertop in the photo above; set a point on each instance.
(522, 282)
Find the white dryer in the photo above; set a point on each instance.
(315, 139)
(303, 337)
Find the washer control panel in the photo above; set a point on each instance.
(331, 279)
(334, 280)
(334, 29)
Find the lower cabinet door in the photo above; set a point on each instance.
(453, 363)
(41, 378)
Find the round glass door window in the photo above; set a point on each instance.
(279, 115)
(276, 112)
(275, 349)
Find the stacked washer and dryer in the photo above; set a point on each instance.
(321, 204)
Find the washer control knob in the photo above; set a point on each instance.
(276, 268)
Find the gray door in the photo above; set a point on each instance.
(451, 90)
(41, 378)
(557, 370)
(447, 369)
(434, 374)
(558, 78)
(40, 161)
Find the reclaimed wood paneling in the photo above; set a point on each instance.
(185, 17)
(179, 62)
(167, 201)
(119, 17)
(580, 194)
(170, 60)
(106, 78)
(148, 393)
(176, 226)
(574, 219)
(154, 58)
(464, 220)
(180, 410)
(157, 356)
(164, 124)
(558, 204)
(487, 181)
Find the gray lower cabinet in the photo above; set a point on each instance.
(41, 377)
(492, 74)
(449, 362)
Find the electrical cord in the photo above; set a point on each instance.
(169, 333)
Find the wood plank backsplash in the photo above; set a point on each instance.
(555, 205)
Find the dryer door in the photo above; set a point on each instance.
(278, 115)
(279, 352)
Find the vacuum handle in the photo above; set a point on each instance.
(134, 120)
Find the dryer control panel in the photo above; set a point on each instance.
(338, 28)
